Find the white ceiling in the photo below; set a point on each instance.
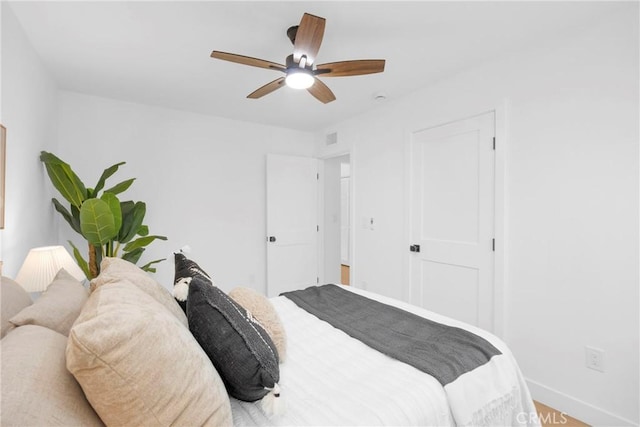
(157, 52)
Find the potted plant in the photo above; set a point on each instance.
(112, 228)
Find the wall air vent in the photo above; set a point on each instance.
(332, 138)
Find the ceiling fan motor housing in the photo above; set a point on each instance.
(291, 64)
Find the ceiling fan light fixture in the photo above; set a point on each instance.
(299, 79)
(300, 69)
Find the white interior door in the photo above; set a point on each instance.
(292, 223)
(452, 219)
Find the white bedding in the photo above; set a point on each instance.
(331, 379)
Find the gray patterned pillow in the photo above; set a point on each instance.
(239, 347)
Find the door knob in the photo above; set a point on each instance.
(414, 248)
(272, 238)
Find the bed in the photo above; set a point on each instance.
(332, 379)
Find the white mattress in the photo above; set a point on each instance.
(331, 379)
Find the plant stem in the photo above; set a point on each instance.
(93, 267)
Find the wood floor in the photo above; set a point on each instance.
(551, 417)
(344, 274)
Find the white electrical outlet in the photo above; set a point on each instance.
(594, 358)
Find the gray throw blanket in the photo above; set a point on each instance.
(442, 351)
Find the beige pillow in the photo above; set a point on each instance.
(116, 269)
(13, 298)
(37, 389)
(58, 307)
(262, 309)
(138, 365)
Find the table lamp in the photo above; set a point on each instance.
(42, 265)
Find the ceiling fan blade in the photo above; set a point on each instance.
(321, 92)
(247, 60)
(308, 38)
(267, 89)
(350, 68)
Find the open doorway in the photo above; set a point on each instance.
(337, 219)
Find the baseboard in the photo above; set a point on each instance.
(576, 408)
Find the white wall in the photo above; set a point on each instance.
(202, 178)
(28, 99)
(572, 256)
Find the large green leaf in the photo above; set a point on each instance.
(133, 256)
(97, 222)
(131, 221)
(120, 187)
(75, 212)
(106, 174)
(84, 265)
(142, 242)
(126, 207)
(114, 206)
(64, 179)
(74, 222)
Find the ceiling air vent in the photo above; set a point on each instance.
(332, 138)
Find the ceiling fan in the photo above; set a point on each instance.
(301, 71)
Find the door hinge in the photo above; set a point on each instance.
(318, 176)
(494, 142)
(317, 228)
(317, 280)
(493, 245)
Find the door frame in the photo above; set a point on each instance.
(321, 217)
(500, 218)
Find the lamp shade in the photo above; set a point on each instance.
(42, 265)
